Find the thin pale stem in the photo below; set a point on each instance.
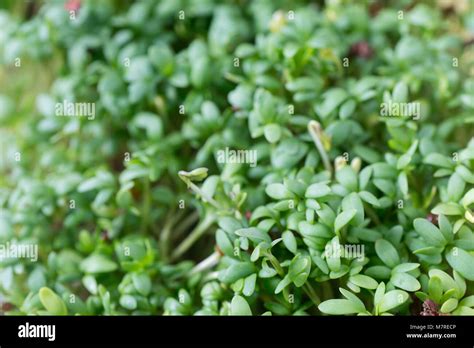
(186, 223)
(314, 129)
(275, 263)
(166, 233)
(311, 293)
(198, 231)
(199, 192)
(208, 263)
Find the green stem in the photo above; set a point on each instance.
(307, 287)
(166, 233)
(311, 293)
(199, 192)
(207, 263)
(275, 263)
(280, 271)
(198, 231)
(372, 214)
(314, 129)
(186, 223)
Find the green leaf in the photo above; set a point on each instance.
(353, 298)
(284, 205)
(317, 190)
(400, 92)
(449, 306)
(449, 208)
(320, 263)
(296, 186)
(142, 283)
(128, 302)
(52, 302)
(405, 267)
(102, 179)
(463, 310)
(36, 279)
(272, 133)
(406, 158)
(299, 270)
(379, 293)
(236, 271)
(403, 161)
(364, 281)
(316, 230)
(283, 284)
(445, 228)
(468, 198)
(446, 281)
(229, 224)
(332, 254)
(353, 287)
(288, 152)
(326, 215)
(456, 186)
(90, 283)
(467, 301)
(256, 235)
(162, 57)
(343, 219)
(369, 198)
(353, 201)
(466, 174)
(438, 160)
(347, 177)
(366, 234)
(332, 99)
(387, 253)
(278, 191)
(364, 177)
(249, 285)
(405, 281)
(289, 241)
(97, 263)
(266, 271)
(224, 243)
(149, 122)
(392, 299)
(367, 154)
(386, 186)
(339, 307)
(460, 284)
(429, 232)
(197, 174)
(402, 183)
(347, 109)
(133, 172)
(462, 262)
(428, 251)
(435, 288)
(379, 272)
